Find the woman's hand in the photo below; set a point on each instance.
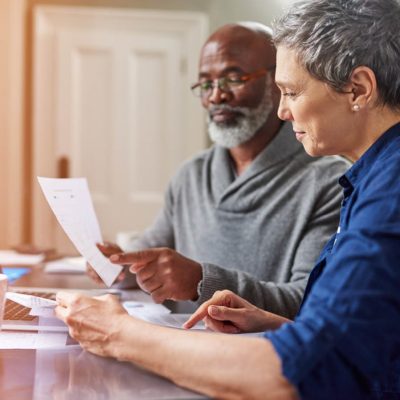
(95, 322)
(228, 313)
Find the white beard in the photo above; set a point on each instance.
(245, 127)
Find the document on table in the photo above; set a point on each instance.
(39, 306)
(72, 205)
(30, 301)
(11, 257)
(69, 265)
(30, 340)
(157, 314)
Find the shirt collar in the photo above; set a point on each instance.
(361, 167)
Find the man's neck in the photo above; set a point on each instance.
(245, 154)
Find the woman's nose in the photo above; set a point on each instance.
(284, 112)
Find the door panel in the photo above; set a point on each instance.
(113, 98)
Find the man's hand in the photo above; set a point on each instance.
(108, 249)
(228, 313)
(93, 321)
(163, 273)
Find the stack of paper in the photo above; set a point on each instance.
(11, 257)
(66, 265)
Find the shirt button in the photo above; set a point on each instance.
(343, 181)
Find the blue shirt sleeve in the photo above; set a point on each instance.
(347, 335)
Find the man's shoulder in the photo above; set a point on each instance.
(193, 165)
(197, 161)
(326, 164)
(338, 162)
(318, 173)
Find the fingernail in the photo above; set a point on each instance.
(213, 310)
(114, 258)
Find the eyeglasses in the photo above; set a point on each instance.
(226, 84)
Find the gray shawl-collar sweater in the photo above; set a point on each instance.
(257, 234)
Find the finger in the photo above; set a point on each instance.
(107, 297)
(138, 258)
(146, 272)
(92, 273)
(61, 313)
(220, 326)
(197, 316)
(219, 297)
(159, 295)
(222, 313)
(151, 285)
(121, 276)
(64, 299)
(108, 248)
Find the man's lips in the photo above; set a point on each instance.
(224, 115)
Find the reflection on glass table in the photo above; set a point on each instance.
(75, 374)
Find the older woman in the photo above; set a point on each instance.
(338, 69)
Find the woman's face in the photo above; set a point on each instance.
(322, 118)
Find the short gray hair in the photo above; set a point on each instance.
(333, 37)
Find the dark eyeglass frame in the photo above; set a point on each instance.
(225, 84)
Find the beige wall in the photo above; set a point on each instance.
(4, 71)
(11, 120)
(219, 11)
(264, 11)
(15, 87)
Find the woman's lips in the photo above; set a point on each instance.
(299, 135)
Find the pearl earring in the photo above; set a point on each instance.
(356, 107)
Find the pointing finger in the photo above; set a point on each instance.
(138, 258)
(197, 316)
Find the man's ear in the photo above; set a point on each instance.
(363, 85)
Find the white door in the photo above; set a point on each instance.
(112, 103)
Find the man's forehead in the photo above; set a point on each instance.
(222, 48)
(226, 53)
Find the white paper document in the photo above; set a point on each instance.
(29, 301)
(72, 205)
(66, 265)
(31, 340)
(39, 306)
(158, 314)
(11, 257)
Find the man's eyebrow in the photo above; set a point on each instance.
(224, 72)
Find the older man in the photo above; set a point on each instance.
(251, 213)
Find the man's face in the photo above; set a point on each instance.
(235, 116)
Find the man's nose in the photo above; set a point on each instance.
(217, 95)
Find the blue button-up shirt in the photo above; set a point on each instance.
(345, 341)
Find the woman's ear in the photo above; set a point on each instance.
(363, 85)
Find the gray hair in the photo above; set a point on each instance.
(333, 37)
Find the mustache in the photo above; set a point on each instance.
(215, 108)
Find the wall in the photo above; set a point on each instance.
(11, 120)
(4, 71)
(220, 11)
(225, 11)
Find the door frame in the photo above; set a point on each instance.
(14, 123)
